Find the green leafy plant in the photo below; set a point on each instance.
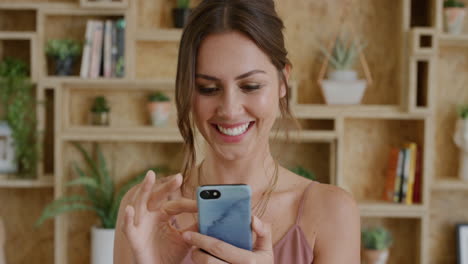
(100, 105)
(299, 170)
(376, 238)
(101, 195)
(453, 3)
(63, 48)
(463, 111)
(344, 53)
(158, 97)
(18, 100)
(183, 4)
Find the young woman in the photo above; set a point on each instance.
(231, 83)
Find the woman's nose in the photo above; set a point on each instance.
(230, 104)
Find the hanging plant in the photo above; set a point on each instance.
(17, 98)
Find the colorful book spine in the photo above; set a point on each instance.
(86, 56)
(391, 174)
(114, 50)
(96, 57)
(417, 177)
(412, 171)
(108, 49)
(405, 176)
(120, 67)
(398, 177)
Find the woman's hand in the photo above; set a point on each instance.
(222, 252)
(147, 221)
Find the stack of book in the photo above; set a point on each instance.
(403, 182)
(103, 51)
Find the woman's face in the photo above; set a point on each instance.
(237, 94)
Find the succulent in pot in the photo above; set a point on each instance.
(181, 13)
(461, 140)
(454, 16)
(376, 242)
(100, 112)
(343, 86)
(159, 107)
(64, 52)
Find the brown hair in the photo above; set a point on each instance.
(258, 20)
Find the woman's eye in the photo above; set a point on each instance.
(251, 87)
(207, 90)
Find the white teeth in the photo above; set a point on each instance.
(234, 131)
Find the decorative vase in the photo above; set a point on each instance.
(159, 112)
(343, 87)
(7, 150)
(461, 140)
(180, 16)
(370, 256)
(453, 19)
(64, 67)
(102, 245)
(100, 118)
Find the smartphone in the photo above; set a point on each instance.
(224, 213)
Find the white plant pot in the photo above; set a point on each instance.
(102, 245)
(343, 75)
(454, 19)
(461, 140)
(343, 92)
(159, 112)
(7, 150)
(375, 256)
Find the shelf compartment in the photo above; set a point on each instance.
(164, 67)
(74, 20)
(22, 20)
(423, 13)
(161, 35)
(366, 146)
(421, 83)
(20, 45)
(127, 104)
(406, 233)
(318, 157)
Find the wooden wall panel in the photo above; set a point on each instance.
(452, 73)
(156, 60)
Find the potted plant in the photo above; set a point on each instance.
(101, 197)
(20, 126)
(299, 170)
(159, 107)
(454, 14)
(64, 52)
(376, 242)
(100, 112)
(461, 140)
(343, 86)
(181, 13)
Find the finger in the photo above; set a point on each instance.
(217, 248)
(163, 192)
(143, 196)
(182, 205)
(128, 224)
(199, 257)
(263, 232)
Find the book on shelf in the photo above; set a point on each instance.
(104, 49)
(403, 175)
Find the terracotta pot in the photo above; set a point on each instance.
(370, 256)
(453, 19)
(461, 140)
(159, 112)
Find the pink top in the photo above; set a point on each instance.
(291, 248)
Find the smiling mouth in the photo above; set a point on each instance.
(234, 131)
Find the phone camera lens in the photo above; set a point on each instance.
(215, 194)
(205, 194)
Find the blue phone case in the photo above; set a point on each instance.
(228, 217)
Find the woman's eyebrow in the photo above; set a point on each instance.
(242, 76)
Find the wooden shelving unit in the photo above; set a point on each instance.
(344, 145)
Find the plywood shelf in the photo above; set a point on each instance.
(449, 185)
(169, 35)
(385, 209)
(108, 83)
(307, 136)
(453, 40)
(22, 35)
(8, 181)
(148, 134)
(104, 4)
(357, 111)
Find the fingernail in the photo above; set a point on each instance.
(187, 236)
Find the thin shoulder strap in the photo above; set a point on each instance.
(301, 203)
